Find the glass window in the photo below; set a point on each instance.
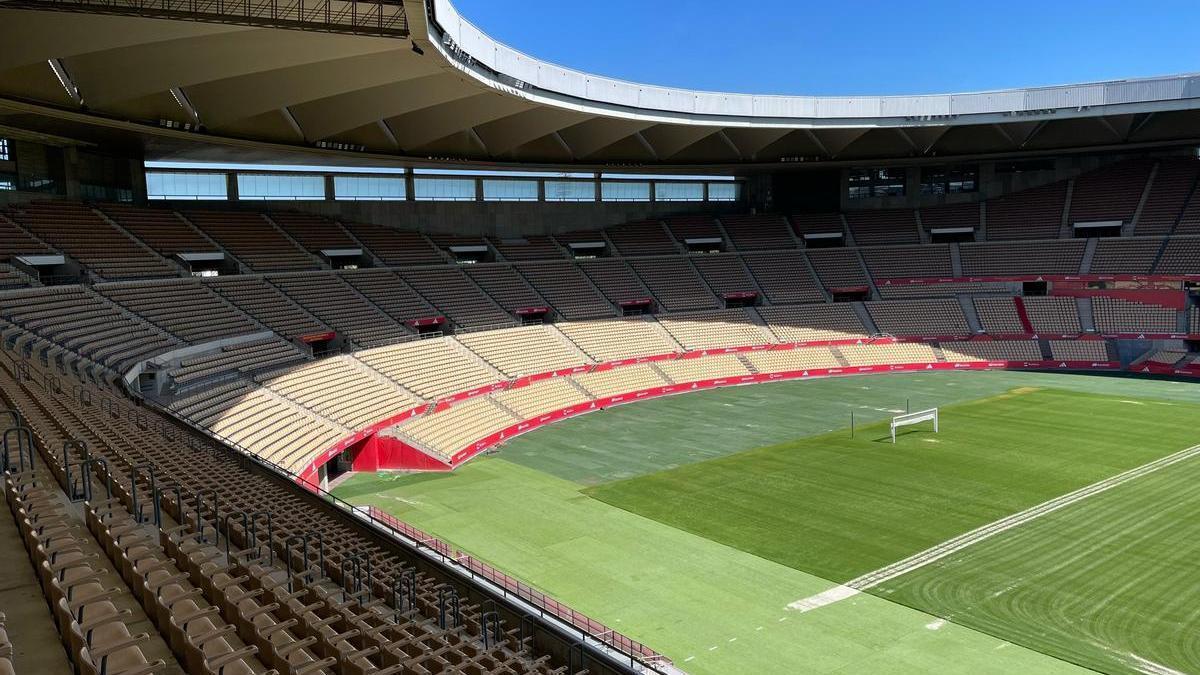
(265, 186)
(679, 192)
(570, 191)
(369, 188)
(4, 150)
(444, 189)
(510, 190)
(875, 183)
(724, 192)
(624, 192)
(185, 185)
(940, 180)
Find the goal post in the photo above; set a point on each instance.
(909, 419)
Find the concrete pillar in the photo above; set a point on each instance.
(71, 173)
(329, 188)
(231, 187)
(410, 187)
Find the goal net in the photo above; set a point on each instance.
(909, 419)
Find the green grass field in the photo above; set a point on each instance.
(691, 522)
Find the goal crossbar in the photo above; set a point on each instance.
(908, 419)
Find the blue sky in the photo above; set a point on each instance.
(856, 47)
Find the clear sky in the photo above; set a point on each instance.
(851, 47)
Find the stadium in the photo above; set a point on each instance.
(341, 338)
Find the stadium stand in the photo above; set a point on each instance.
(260, 299)
(891, 226)
(908, 262)
(714, 330)
(675, 284)
(1194, 321)
(1125, 256)
(1173, 184)
(724, 273)
(1053, 315)
(1114, 315)
(448, 432)
(615, 280)
(567, 290)
(642, 238)
(312, 232)
(395, 247)
(541, 397)
(784, 277)
(1031, 214)
(10, 277)
(684, 371)
(1079, 350)
(338, 390)
(941, 290)
(184, 308)
(431, 369)
(838, 268)
(1022, 258)
(886, 354)
(80, 232)
(616, 339)
(683, 228)
(528, 248)
(1110, 193)
(527, 350)
(16, 241)
(999, 316)
(386, 291)
(817, 223)
(950, 215)
(452, 292)
(505, 286)
(1180, 256)
(336, 303)
(253, 240)
(624, 380)
(244, 357)
(786, 360)
(919, 317)
(812, 323)
(758, 233)
(993, 350)
(162, 230)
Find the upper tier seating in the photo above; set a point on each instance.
(1079, 350)
(786, 360)
(11, 278)
(674, 283)
(714, 330)
(999, 316)
(890, 226)
(1031, 214)
(887, 354)
(1181, 256)
(992, 350)
(430, 369)
(724, 273)
(693, 227)
(84, 235)
(456, 296)
(528, 248)
(243, 357)
(186, 309)
(339, 390)
(85, 323)
(387, 292)
(396, 247)
(1173, 184)
(1114, 315)
(817, 223)
(1125, 256)
(1109, 193)
(941, 290)
(758, 233)
(951, 215)
(1194, 321)
(162, 230)
(528, 350)
(1189, 220)
(643, 238)
(1053, 315)
(906, 262)
(333, 301)
(615, 280)
(919, 317)
(507, 288)
(812, 323)
(838, 268)
(784, 277)
(622, 338)
(15, 241)
(252, 240)
(1022, 258)
(313, 232)
(258, 298)
(567, 290)
(683, 371)
(623, 380)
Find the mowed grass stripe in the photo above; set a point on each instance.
(1110, 583)
(839, 507)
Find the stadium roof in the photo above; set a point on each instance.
(404, 79)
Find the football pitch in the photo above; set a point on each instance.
(691, 523)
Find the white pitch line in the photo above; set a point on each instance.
(951, 546)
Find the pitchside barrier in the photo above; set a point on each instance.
(915, 418)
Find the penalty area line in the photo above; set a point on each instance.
(950, 546)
